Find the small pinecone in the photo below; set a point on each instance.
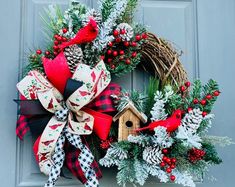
(74, 56)
(129, 33)
(192, 120)
(152, 155)
(96, 16)
(195, 155)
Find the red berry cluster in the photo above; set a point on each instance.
(58, 39)
(105, 144)
(205, 100)
(195, 155)
(168, 164)
(116, 49)
(184, 87)
(202, 102)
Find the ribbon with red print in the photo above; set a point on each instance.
(68, 114)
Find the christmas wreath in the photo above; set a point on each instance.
(67, 100)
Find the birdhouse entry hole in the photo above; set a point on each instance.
(129, 124)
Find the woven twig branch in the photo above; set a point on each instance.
(162, 61)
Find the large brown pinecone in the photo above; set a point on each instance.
(74, 56)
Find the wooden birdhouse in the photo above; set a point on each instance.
(129, 120)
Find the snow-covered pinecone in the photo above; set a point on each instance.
(192, 120)
(129, 33)
(152, 155)
(74, 56)
(96, 16)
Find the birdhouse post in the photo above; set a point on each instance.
(129, 120)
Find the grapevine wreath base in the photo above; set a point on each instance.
(79, 116)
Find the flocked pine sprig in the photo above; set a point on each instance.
(105, 31)
(218, 140)
(156, 171)
(73, 17)
(134, 96)
(161, 138)
(158, 111)
(184, 179)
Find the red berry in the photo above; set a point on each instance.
(113, 66)
(65, 30)
(39, 51)
(203, 102)
(47, 53)
(204, 114)
(56, 42)
(164, 158)
(110, 44)
(187, 84)
(172, 177)
(59, 38)
(209, 97)
(189, 109)
(134, 44)
(144, 36)
(195, 101)
(168, 160)
(162, 164)
(216, 93)
(121, 52)
(56, 36)
(123, 31)
(115, 33)
(110, 60)
(118, 40)
(134, 54)
(55, 47)
(115, 53)
(126, 43)
(55, 53)
(182, 88)
(64, 39)
(172, 166)
(173, 160)
(128, 61)
(102, 57)
(109, 52)
(165, 151)
(138, 37)
(168, 170)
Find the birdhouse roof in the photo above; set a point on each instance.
(130, 106)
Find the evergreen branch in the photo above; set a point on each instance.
(128, 15)
(218, 140)
(211, 155)
(150, 91)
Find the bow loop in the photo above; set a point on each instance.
(36, 86)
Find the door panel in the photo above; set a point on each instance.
(203, 29)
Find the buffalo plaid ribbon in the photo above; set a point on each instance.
(104, 103)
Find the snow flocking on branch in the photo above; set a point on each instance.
(161, 137)
(183, 178)
(158, 110)
(106, 28)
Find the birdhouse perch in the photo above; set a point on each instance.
(129, 120)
